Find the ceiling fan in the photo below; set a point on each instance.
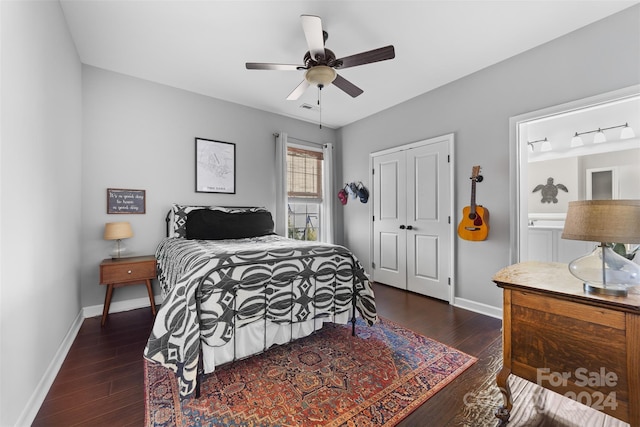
(321, 64)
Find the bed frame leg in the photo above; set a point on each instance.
(199, 375)
(354, 297)
(353, 309)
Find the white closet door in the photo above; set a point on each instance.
(412, 234)
(428, 229)
(389, 213)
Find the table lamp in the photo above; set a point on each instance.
(603, 271)
(117, 231)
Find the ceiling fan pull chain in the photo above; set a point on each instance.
(320, 103)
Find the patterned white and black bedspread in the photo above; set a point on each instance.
(239, 282)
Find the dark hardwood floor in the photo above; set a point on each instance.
(101, 381)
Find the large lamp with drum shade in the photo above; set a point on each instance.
(604, 271)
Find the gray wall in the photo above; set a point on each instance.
(40, 171)
(140, 135)
(601, 57)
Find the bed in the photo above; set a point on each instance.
(232, 288)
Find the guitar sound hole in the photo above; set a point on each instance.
(472, 216)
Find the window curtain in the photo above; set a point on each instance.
(281, 213)
(328, 196)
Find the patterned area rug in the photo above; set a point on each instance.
(330, 378)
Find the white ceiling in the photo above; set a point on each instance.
(202, 45)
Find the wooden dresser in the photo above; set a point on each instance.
(583, 346)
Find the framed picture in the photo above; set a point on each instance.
(122, 201)
(215, 166)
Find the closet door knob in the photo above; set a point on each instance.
(402, 227)
(409, 227)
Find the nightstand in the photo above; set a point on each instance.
(117, 272)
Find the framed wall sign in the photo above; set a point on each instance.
(215, 166)
(122, 201)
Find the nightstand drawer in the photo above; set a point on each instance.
(121, 271)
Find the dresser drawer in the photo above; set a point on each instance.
(123, 271)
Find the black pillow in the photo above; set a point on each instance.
(206, 224)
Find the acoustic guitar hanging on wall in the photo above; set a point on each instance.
(474, 224)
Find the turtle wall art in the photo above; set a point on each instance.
(549, 191)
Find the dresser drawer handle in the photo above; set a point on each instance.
(129, 271)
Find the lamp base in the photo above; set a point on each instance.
(612, 290)
(118, 250)
(604, 272)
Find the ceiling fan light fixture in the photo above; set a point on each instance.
(320, 75)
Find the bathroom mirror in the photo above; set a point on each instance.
(587, 149)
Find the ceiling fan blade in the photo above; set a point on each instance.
(312, 27)
(347, 86)
(298, 91)
(375, 55)
(266, 66)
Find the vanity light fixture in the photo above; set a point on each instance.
(600, 137)
(627, 132)
(576, 141)
(546, 145)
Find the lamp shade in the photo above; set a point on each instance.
(610, 221)
(117, 230)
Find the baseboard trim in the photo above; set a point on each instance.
(119, 306)
(487, 310)
(40, 393)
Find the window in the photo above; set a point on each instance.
(304, 173)
(304, 192)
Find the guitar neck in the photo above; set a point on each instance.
(473, 196)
